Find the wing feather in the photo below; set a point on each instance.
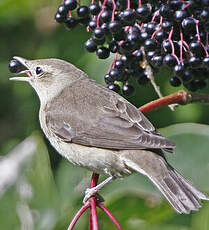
(100, 118)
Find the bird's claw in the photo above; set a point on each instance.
(92, 192)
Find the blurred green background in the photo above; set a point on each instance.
(28, 29)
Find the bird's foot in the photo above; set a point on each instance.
(92, 192)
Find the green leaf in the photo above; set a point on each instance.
(45, 196)
(39, 173)
(71, 183)
(34, 188)
(8, 215)
(191, 156)
(201, 219)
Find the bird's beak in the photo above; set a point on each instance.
(25, 63)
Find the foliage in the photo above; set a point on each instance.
(28, 30)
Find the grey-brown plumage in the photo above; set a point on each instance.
(101, 118)
(180, 193)
(98, 129)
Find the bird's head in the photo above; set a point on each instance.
(47, 76)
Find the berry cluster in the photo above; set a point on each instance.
(170, 33)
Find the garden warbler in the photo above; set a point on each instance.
(96, 128)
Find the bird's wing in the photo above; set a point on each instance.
(101, 118)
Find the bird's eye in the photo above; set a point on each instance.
(39, 70)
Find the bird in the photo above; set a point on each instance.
(96, 128)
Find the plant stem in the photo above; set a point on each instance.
(112, 218)
(180, 98)
(176, 98)
(93, 218)
(78, 214)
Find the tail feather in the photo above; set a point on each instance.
(182, 197)
(166, 191)
(180, 193)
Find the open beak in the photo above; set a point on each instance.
(25, 63)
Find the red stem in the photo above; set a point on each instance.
(93, 214)
(161, 20)
(172, 45)
(128, 4)
(156, 13)
(99, 15)
(188, 4)
(113, 10)
(112, 218)
(90, 222)
(113, 63)
(197, 30)
(93, 218)
(181, 46)
(78, 214)
(179, 97)
(94, 180)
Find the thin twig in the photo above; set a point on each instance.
(93, 223)
(78, 214)
(113, 219)
(152, 80)
(90, 222)
(93, 214)
(197, 98)
(181, 98)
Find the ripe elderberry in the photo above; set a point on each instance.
(83, 11)
(114, 87)
(94, 9)
(127, 90)
(103, 52)
(15, 66)
(175, 81)
(70, 4)
(70, 22)
(90, 45)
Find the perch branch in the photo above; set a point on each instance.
(93, 218)
(78, 214)
(113, 219)
(181, 98)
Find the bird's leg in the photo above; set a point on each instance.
(92, 191)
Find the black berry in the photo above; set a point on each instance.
(103, 52)
(14, 66)
(114, 87)
(127, 90)
(83, 11)
(90, 45)
(175, 81)
(70, 4)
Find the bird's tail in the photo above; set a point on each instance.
(180, 193)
